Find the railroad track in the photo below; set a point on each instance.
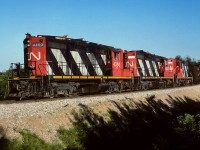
(12, 101)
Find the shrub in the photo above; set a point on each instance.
(187, 128)
(71, 138)
(3, 84)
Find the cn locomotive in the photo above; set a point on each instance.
(61, 66)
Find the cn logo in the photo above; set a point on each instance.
(36, 56)
(117, 64)
(129, 64)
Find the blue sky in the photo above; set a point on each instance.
(163, 27)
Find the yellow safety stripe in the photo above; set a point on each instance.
(16, 78)
(32, 77)
(157, 77)
(165, 78)
(90, 77)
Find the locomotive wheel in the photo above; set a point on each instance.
(178, 83)
(117, 88)
(187, 82)
(174, 85)
(162, 86)
(53, 93)
(132, 88)
(120, 87)
(114, 87)
(20, 96)
(145, 87)
(66, 93)
(111, 87)
(138, 87)
(70, 92)
(73, 90)
(110, 90)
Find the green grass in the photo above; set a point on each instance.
(31, 141)
(71, 138)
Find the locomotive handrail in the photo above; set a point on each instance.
(18, 69)
(81, 66)
(42, 81)
(41, 74)
(39, 67)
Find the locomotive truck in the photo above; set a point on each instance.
(61, 66)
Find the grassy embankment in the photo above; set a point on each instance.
(144, 125)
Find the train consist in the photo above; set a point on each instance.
(60, 66)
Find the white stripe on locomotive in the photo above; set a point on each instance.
(103, 56)
(186, 70)
(149, 67)
(95, 64)
(62, 63)
(183, 70)
(49, 69)
(158, 66)
(155, 68)
(142, 67)
(79, 63)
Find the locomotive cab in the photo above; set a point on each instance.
(35, 55)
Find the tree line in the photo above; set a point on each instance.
(190, 61)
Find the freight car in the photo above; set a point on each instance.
(62, 66)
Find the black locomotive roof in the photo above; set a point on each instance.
(147, 54)
(80, 42)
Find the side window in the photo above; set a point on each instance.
(125, 60)
(178, 64)
(166, 63)
(116, 56)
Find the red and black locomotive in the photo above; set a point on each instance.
(60, 66)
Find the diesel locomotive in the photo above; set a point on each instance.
(61, 66)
